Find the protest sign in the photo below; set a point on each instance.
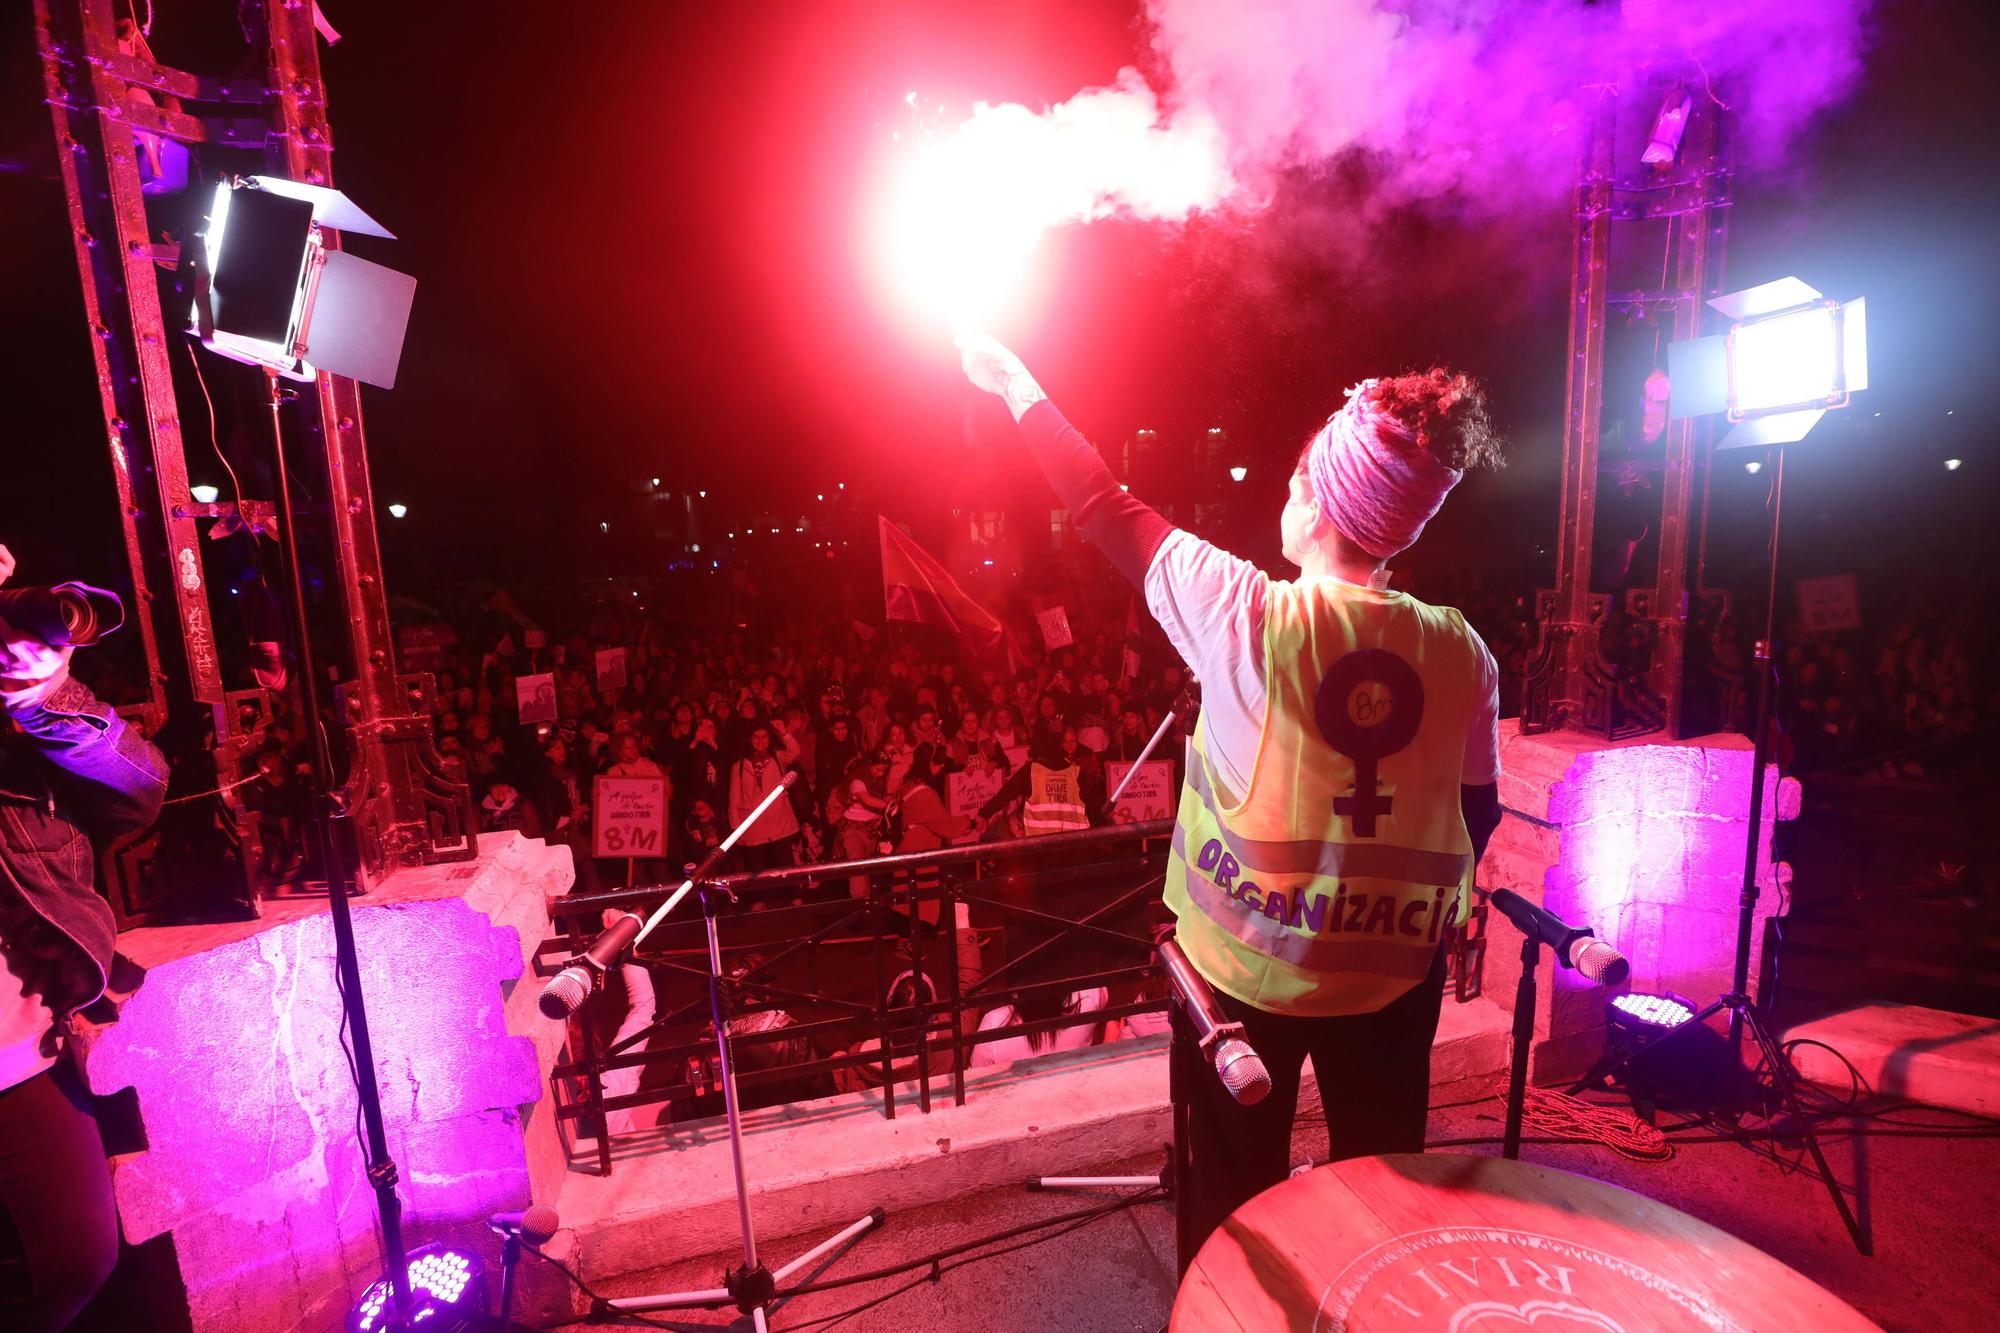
(423, 647)
(1830, 603)
(968, 791)
(629, 817)
(535, 697)
(610, 669)
(1054, 621)
(1151, 794)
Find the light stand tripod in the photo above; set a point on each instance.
(328, 825)
(1743, 1011)
(1524, 1038)
(752, 1288)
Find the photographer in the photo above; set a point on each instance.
(72, 775)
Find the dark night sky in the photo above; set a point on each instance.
(633, 226)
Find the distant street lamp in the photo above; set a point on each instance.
(398, 510)
(1238, 473)
(204, 495)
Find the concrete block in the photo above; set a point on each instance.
(1903, 1050)
(233, 1049)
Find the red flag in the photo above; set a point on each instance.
(1134, 633)
(917, 588)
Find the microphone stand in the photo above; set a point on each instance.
(753, 1288)
(1524, 1037)
(510, 1259)
(1183, 1058)
(1159, 733)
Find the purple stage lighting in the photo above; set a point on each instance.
(1651, 1014)
(443, 1282)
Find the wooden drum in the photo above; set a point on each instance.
(1458, 1244)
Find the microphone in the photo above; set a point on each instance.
(569, 988)
(535, 1225)
(1221, 1042)
(1576, 948)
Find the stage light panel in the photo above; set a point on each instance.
(1791, 356)
(1787, 361)
(276, 296)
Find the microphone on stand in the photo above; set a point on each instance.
(1221, 1042)
(1577, 948)
(536, 1225)
(568, 989)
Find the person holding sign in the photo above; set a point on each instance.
(1341, 780)
(768, 843)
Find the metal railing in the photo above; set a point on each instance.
(815, 954)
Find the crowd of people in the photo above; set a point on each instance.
(875, 723)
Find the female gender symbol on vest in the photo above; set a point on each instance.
(1368, 706)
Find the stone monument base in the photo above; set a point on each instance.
(252, 1169)
(1642, 841)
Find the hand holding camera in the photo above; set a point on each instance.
(39, 625)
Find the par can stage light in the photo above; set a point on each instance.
(447, 1288)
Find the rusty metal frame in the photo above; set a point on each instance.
(1571, 683)
(404, 809)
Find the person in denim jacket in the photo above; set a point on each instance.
(72, 777)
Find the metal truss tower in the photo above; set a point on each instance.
(1615, 649)
(113, 108)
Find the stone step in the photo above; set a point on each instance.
(820, 1164)
(1928, 1055)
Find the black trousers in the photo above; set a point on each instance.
(1374, 1073)
(58, 1224)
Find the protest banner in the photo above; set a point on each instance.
(610, 669)
(968, 791)
(1054, 621)
(535, 697)
(1151, 795)
(1830, 603)
(629, 817)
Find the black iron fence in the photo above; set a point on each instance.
(869, 974)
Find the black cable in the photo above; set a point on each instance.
(596, 1299)
(353, 1067)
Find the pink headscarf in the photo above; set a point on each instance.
(1372, 479)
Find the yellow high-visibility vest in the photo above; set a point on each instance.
(1327, 887)
(1055, 801)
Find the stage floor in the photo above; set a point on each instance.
(1931, 1202)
